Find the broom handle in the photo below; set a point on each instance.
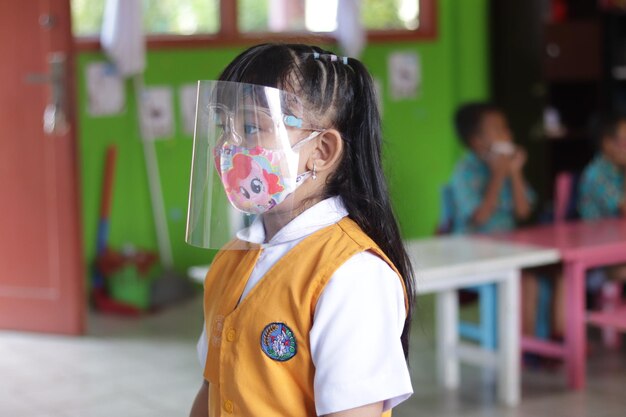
(107, 185)
(102, 234)
(154, 183)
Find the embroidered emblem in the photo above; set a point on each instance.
(278, 342)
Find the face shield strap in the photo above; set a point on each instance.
(305, 175)
(309, 138)
(300, 178)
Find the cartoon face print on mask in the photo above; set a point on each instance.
(252, 177)
(250, 183)
(258, 179)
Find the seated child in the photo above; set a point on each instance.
(489, 191)
(602, 185)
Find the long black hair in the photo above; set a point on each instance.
(340, 93)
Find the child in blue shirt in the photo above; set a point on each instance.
(602, 187)
(488, 186)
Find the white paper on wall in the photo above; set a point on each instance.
(157, 114)
(405, 75)
(187, 98)
(105, 89)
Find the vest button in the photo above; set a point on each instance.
(230, 335)
(228, 406)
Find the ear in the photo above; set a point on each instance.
(327, 152)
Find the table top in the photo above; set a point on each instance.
(438, 258)
(444, 258)
(198, 273)
(581, 240)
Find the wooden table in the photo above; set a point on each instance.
(443, 265)
(581, 245)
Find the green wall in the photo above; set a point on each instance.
(420, 145)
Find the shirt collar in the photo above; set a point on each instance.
(473, 159)
(471, 156)
(322, 214)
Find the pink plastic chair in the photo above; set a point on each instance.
(610, 298)
(611, 301)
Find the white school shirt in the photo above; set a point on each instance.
(358, 320)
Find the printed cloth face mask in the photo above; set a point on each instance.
(258, 179)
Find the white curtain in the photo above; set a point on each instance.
(350, 31)
(124, 43)
(122, 36)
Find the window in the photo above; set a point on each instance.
(86, 17)
(246, 21)
(180, 17)
(391, 14)
(321, 15)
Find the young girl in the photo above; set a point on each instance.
(307, 310)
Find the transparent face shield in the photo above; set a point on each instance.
(245, 159)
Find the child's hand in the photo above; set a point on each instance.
(499, 165)
(518, 160)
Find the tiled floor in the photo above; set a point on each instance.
(148, 367)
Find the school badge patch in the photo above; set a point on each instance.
(278, 342)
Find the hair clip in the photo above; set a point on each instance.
(293, 121)
(333, 57)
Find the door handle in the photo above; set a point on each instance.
(55, 114)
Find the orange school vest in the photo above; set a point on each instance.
(259, 358)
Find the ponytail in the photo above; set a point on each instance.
(360, 180)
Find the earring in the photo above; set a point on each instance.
(314, 175)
